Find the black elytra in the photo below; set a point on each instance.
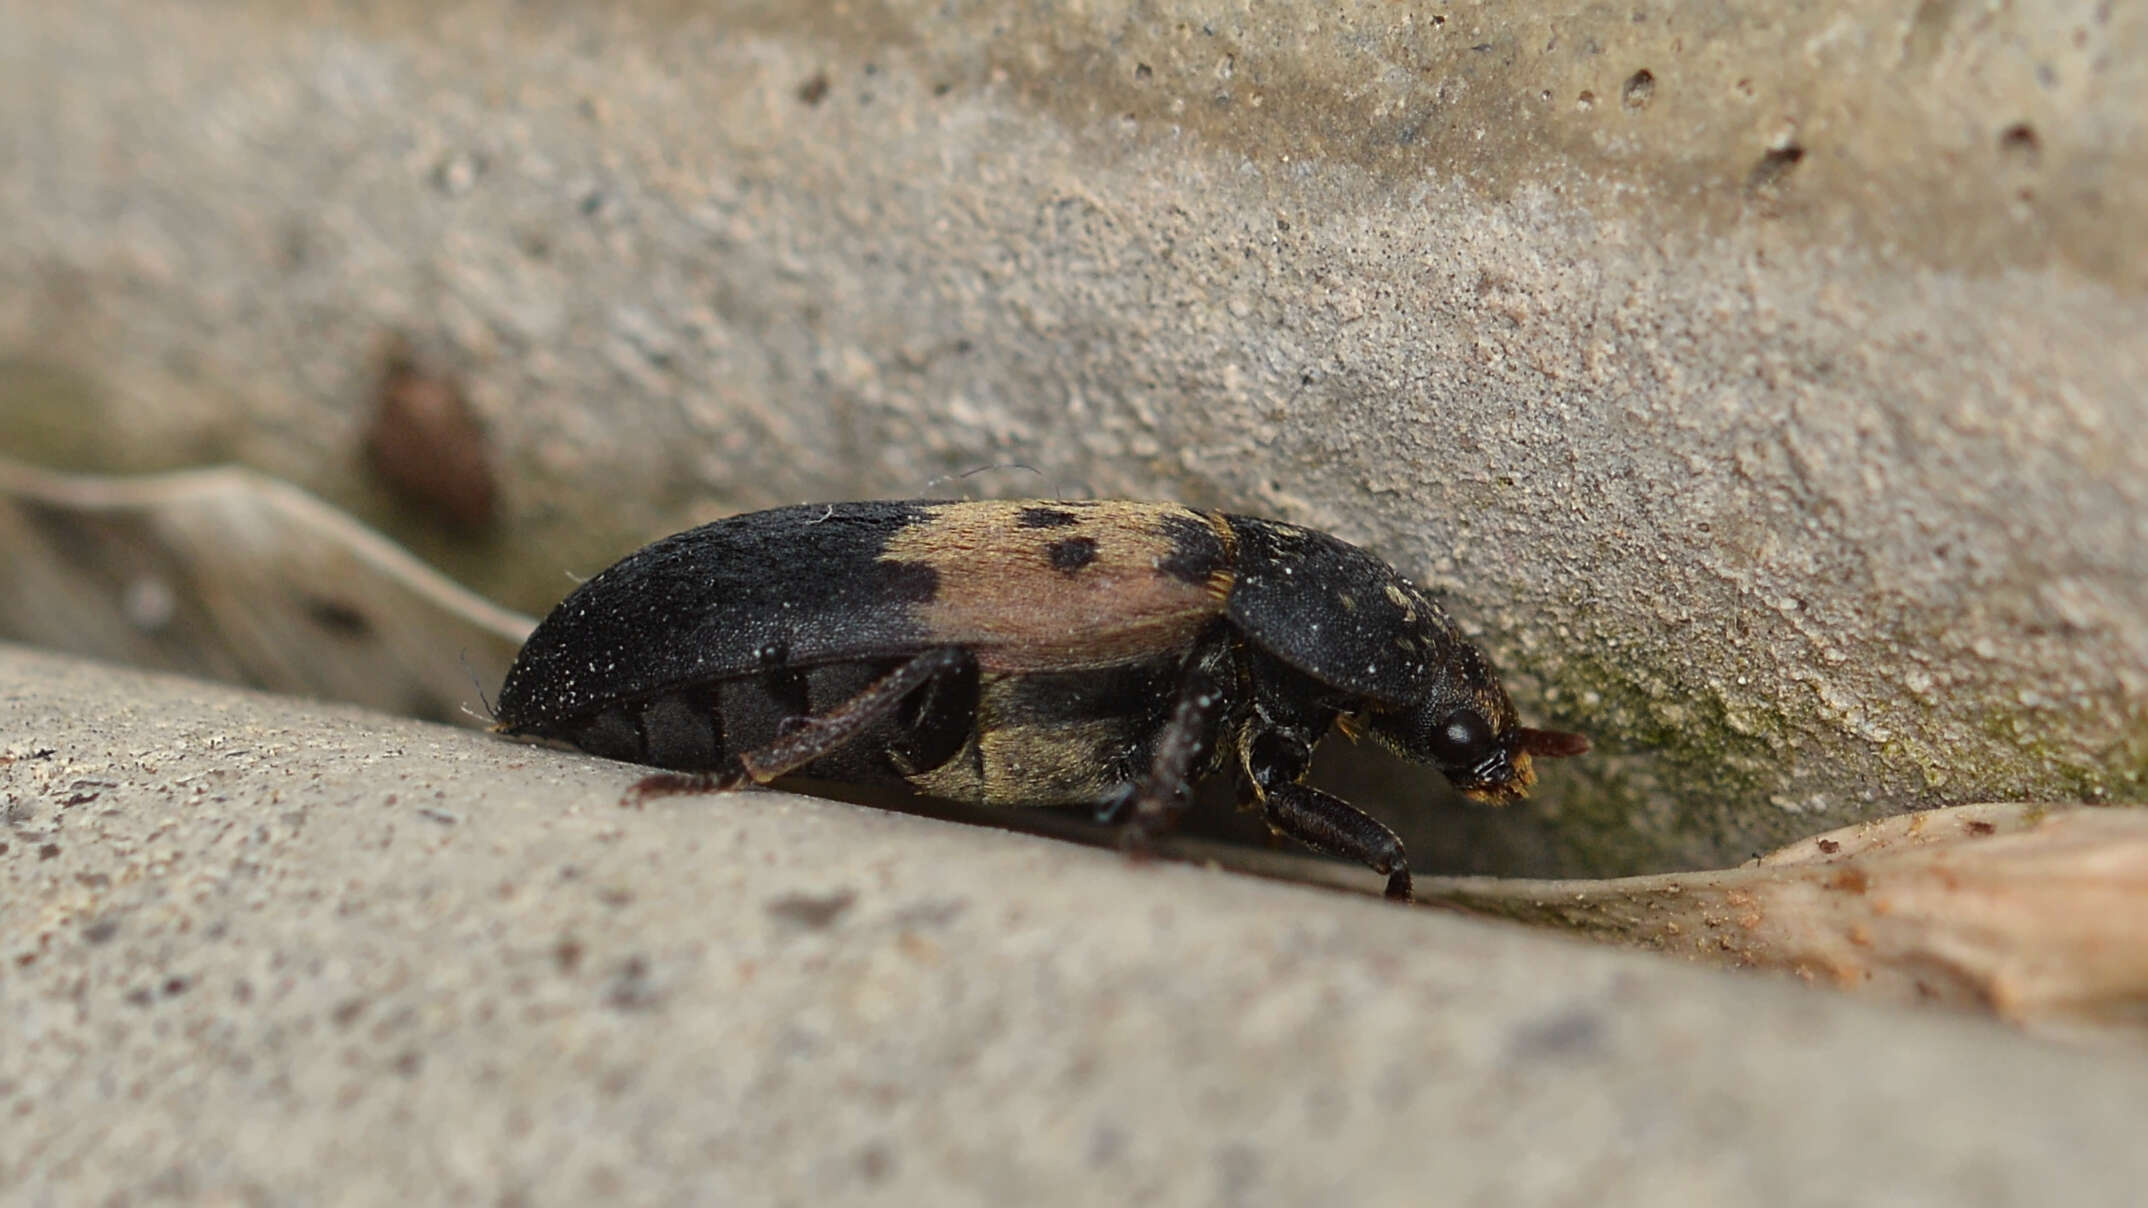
(1035, 653)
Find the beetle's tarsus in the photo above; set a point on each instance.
(678, 784)
(1136, 841)
(1113, 810)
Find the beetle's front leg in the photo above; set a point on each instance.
(811, 738)
(1277, 753)
(1328, 823)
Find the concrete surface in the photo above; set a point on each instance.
(1759, 382)
(254, 950)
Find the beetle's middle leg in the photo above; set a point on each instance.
(1151, 804)
(809, 738)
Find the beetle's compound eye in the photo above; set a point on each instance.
(1462, 739)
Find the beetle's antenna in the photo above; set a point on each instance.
(1002, 465)
(491, 715)
(1551, 744)
(997, 465)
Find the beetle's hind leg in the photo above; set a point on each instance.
(1330, 824)
(802, 740)
(810, 738)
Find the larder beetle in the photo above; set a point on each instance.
(1022, 654)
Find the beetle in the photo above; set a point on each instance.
(1028, 653)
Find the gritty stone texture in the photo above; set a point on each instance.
(254, 950)
(1762, 384)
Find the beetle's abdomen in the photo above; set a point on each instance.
(1058, 738)
(705, 727)
(1040, 739)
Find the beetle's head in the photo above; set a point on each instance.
(1468, 729)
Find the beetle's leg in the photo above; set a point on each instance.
(814, 737)
(679, 784)
(1112, 810)
(803, 740)
(1275, 752)
(1189, 736)
(1330, 824)
(1151, 805)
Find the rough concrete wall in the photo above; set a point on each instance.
(1762, 386)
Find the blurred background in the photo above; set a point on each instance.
(1762, 390)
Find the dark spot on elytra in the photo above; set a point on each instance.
(1071, 554)
(1196, 552)
(1045, 518)
(908, 583)
(815, 89)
